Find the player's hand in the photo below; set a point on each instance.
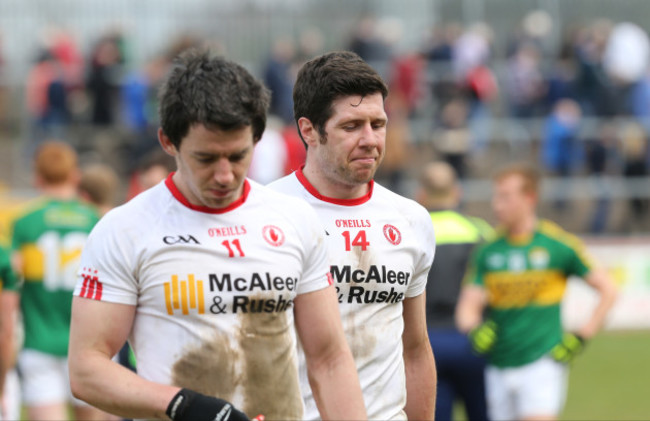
(569, 347)
(189, 405)
(483, 337)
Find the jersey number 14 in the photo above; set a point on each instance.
(358, 241)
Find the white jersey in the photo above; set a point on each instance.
(213, 290)
(381, 247)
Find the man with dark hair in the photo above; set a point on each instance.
(207, 273)
(520, 277)
(381, 245)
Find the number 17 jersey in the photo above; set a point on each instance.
(381, 247)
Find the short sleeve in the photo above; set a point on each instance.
(107, 268)
(17, 235)
(580, 263)
(475, 274)
(315, 273)
(8, 278)
(425, 253)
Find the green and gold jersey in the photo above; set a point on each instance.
(525, 280)
(8, 278)
(50, 237)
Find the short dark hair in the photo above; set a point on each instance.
(214, 92)
(328, 77)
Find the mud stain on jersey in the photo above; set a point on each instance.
(208, 369)
(364, 258)
(361, 339)
(270, 377)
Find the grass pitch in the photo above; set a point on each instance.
(611, 379)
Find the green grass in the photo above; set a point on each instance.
(611, 379)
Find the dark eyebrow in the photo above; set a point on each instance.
(200, 154)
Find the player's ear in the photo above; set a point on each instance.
(166, 143)
(308, 131)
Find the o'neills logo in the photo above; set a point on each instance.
(227, 231)
(392, 234)
(273, 235)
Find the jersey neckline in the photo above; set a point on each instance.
(343, 202)
(205, 209)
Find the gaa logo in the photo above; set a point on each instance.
(392, 234)
(273, 235)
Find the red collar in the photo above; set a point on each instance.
(343, 202)
(205, 209)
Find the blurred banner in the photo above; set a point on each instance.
(628, 262)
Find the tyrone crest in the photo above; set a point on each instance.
(392, 234)
(273, 235)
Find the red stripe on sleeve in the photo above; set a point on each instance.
(84, 288)
(98, 290)
(91, 288)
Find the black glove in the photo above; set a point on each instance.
(569, 347)
(189, 405)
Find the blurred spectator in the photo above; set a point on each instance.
(372, 41)
(593, 87)
(99, 186)
(561, 78)
(310, 44)
(296, 151)
(482, 90)
(471, 54)
(153, 168)
(47, 98)
(452, 140)
(536, 28)
(393, 169)
(625, 59)
(525, 83)
(407, 80)
(561, 149)
(103, 80)
(442, 42)
(600, 155)
(279, 79)
(367, 43)
(64, 48)
(640, 101)
(471, 49)
(444, 85)
(139, 107)
(4, 115)
(634, 144)
(269, 155)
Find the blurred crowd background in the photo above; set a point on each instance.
(564, 84)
